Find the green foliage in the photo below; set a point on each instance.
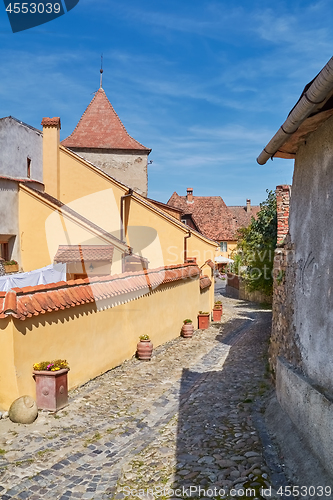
(256, 247)
(187, 321)
(144, 337)
(237, 263)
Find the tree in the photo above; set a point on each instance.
(256, 245)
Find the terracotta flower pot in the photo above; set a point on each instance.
(187, 330)
(144, 350)
(217, 313)
(51, 389)
(203, 321)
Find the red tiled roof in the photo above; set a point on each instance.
(84, 253)
(51, 122)
(205, 282)
(101, 127)
(242, 218)
(22, 303)
(212, 216)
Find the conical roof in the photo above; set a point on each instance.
(100, 127)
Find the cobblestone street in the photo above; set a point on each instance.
(183, 420)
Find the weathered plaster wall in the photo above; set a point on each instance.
(302, 308)
(128, 168)
(311, 220)
(309, 409)
(17, 143)
(9, 222)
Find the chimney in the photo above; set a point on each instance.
(189, 196)
(282, 209)
(51, 155)
(248, 206)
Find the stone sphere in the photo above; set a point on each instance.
(23, 410)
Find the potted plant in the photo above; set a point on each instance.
(187, 328)
(203, 320)
(144, 348)
(217, 311)
(11, 266)
(51, 384)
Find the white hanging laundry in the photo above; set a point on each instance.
(48, 274)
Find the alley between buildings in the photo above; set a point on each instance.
(187, 421)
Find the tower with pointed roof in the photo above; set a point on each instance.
(101, 138)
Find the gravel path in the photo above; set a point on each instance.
(183, 421)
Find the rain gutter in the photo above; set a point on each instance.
(314, 96)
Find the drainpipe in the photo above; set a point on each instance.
(315, 95)
(122, 200)
(122, 203)
(185, 245)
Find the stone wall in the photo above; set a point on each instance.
(284, 340)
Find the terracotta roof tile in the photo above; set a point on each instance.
(212, 216)
(51, 122)
(242, 218)
(84, 253)
(205, 282)
(34, 300)
(100, 127)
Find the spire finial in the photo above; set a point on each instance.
(101, 71)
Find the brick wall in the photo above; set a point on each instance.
(282, 207)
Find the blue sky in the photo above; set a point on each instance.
(205, 84)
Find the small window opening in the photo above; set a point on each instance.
(4, 253)
(28, 168)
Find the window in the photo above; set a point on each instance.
(223, 246)
(28, 167)
(184, 221)
(4, 251)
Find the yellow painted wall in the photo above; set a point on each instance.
(51, 138)
(161, 241)
(8, 382)
(78, 179)
(90, 192)
(94, 341)
(231, 247)
(43, 229)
